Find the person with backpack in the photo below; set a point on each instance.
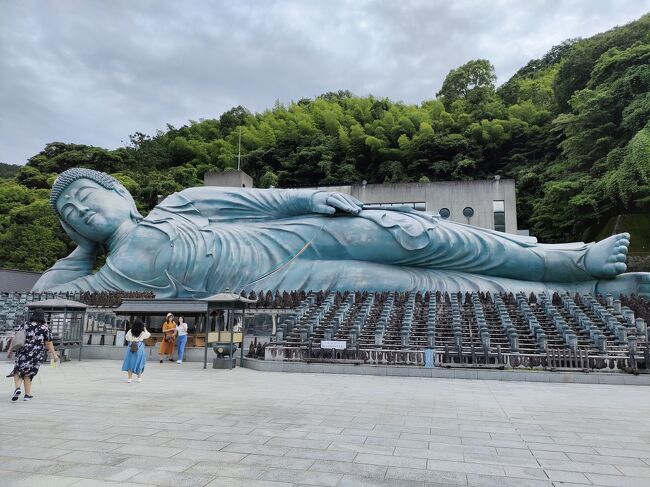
(134, 357)
(29, 343)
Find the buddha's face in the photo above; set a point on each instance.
(92, 210)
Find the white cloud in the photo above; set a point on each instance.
(95, 72)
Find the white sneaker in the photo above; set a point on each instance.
(129, 381)
(139, 379)
(179, 361)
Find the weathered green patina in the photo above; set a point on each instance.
(203, 240)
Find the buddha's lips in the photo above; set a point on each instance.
(89, 218)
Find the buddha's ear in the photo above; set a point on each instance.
(124, 193)
(121, 190)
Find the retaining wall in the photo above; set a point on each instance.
(526, 375)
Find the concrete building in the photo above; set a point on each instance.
(485, 203)
(229, 179)
(488, 204)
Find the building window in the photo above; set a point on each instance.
(420, 205)
(499, 211)
(444, 213)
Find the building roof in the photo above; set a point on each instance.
(13, 280)
(56, 303)
(161, 306)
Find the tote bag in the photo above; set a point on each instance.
(18, 341)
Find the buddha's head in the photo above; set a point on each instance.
(92, 204)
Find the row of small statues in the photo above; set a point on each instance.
(290, 300)
(640, 306)
(278, 300)
(112, 299)
(108, 299)
(257, 350)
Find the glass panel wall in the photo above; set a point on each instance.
(499, 211)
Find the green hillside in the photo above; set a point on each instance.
(637, 225)
(8, 170)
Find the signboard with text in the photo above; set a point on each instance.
(333, 344)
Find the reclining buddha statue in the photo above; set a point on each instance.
(203, 240)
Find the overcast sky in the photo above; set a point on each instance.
(93, 72)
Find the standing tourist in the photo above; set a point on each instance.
(169, 331)
(181, 332)
(30, 355)
(134, 357)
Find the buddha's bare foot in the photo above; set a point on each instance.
(631, 283)
(606, 259)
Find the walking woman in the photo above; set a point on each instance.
(30, 355)
(169, 332)
(134, 357)
(181, 332)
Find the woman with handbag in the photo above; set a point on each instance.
(37, 335)
(169, 332)
(134, 356)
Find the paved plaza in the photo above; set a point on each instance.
(185, 426)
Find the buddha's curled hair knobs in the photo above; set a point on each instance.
(71, 175)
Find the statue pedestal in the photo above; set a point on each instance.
(222, 362)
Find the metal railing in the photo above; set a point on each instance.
(480, 357)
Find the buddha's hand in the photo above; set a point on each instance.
(78, 264)
(86, 248)
(328, 202)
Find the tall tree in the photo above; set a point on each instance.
(473, 77)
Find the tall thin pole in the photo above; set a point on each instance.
(231, 322)
(241, 344)
(205, 351)
(239, 151)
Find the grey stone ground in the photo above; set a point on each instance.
(184, 426)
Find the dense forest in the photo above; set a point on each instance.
(572, 128)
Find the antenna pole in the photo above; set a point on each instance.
(239, 151)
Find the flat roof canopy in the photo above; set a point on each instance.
(161, 306)
(56, 303)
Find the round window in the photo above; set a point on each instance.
(468, 212)
(444, 213)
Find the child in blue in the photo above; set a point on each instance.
(134, 358)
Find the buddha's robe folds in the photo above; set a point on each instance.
(203, 240)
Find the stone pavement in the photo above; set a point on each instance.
(184, 426)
